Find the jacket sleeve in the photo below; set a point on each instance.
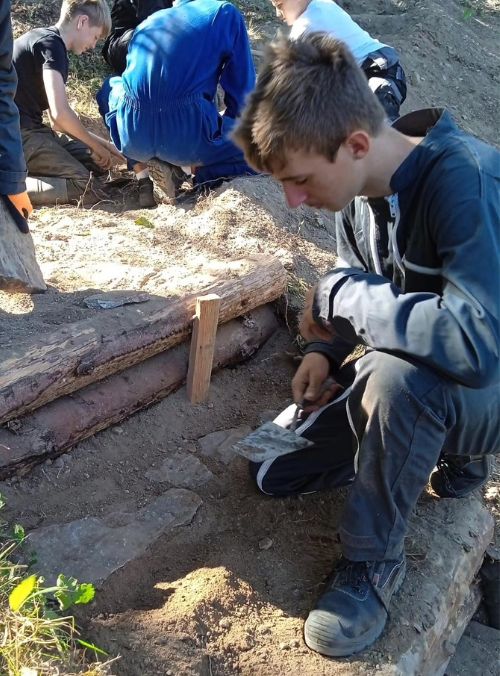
(456, 333)
(12, 163)
(238, 74)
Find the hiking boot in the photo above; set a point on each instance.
(146, 193)
(457, 476)
(353, 610)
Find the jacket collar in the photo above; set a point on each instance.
(432, 124)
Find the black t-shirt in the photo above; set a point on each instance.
(35, 51)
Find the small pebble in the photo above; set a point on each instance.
(225, 623)
(265, 543)
(284, 646)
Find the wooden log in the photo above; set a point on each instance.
(84, 352)
(202, 347)
(19, 270)
(59, 425)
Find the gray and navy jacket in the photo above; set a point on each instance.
(418, 272)
(12, 163)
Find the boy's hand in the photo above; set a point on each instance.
(309, 329)
(20, 208)
(102, 157)
(118, 158)
(312, 383)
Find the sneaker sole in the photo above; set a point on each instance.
(322, 647)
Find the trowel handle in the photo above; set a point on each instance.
(295, 419)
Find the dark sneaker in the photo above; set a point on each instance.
(352, 612)
(457, 476)
(146, 193)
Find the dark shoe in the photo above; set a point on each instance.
(146, 193)
(352, 612)
(457, 476)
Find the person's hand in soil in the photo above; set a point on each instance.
(102, 157)
(312, 385)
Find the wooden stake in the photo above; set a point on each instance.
(202, 347)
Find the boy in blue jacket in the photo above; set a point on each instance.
(416, 282)
(164, 104)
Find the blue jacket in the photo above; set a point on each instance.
(12, 163)
(164, 103)
(420, 273)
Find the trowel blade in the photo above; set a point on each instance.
(270, 441)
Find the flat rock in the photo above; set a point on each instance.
(92, 548)
(477, 652)
(219, 445)
(181, 469)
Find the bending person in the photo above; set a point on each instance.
(164, 105)
(380, 62)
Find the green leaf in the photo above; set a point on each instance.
(19, 533)
(2, 501)
(70, 592)
(468, 13)
(146, 223)
(20, 593)
(91, 646)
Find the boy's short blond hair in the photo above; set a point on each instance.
(97, 11)
(310, 95)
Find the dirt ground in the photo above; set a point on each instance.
(227, 594)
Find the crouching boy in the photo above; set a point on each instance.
(417, 283)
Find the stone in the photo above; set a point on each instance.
(219, 445)
(90, 549)
(265, 543)
(181, 469)
(477, 652)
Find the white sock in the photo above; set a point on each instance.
(142, 174)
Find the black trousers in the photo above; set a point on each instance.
(387, 79)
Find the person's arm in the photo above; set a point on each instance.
(64, 119)
(238, 76)
(12, 164)
(456, 333)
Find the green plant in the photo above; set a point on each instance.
(37, 636)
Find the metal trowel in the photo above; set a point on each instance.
(272, 441)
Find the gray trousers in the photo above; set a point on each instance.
(58, 166)
(384, 436)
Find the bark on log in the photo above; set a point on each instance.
(84, 352)
(58, 426)
(19, 270)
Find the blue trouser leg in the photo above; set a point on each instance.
(405, 415)
(102, 98)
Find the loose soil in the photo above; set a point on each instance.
(227, 594)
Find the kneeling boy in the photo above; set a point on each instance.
(59, 164)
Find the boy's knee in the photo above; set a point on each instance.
(386, 377)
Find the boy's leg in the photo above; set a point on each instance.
(386, 79)
(405, 415)
(57, 176)
(81, 153)
(326, 465)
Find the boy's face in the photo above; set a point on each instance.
(86, 36)
(310, 178)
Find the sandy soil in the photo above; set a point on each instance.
(228, 594)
